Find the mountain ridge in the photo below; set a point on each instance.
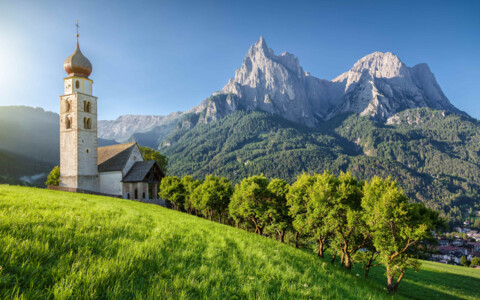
(378, 85)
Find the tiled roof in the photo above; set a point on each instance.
(140, 170)
(115, 157)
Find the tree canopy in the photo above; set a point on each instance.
(152, 154)
(173, 190)
(213, 196)
(54, 177)
(398, 227)
(369, 222)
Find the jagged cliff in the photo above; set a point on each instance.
(379, 85)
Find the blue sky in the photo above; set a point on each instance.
(157, 57)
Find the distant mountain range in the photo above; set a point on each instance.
(380, 117)
(29, 144)
(379, 85)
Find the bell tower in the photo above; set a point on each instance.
(78, 126)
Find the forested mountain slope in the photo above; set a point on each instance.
(433, 154)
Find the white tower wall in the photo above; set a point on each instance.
(78, 135)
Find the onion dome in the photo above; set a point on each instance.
(77, 64)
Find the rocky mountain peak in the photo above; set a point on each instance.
(380, 65)
(273, 83)
(259, 50)
(378, 85)
(374, 65)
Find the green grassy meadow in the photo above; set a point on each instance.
(64, 245)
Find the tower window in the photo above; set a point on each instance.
(68, 122)
(68, 106)
(77, 84)
(87, 123)
(87, 150)
(86, 106)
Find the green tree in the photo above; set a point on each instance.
(476, 224)
(277, 211)
(54, 177)
(173, 190)
(398, 227)
(249, 201)
(464, 261)
(152, 154)
(213, 196)
(344, 218)
(319, 202)
(190, 184)
(475, 262)
(367, 258)
(297, 203)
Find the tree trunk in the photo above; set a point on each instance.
(296, 239)
(390, 284)
(281, 236)
(348, 261)
(258, 229)
(395, 289)
(342, 257)
(332, 260)
(367, 269)
(320, 246)
(370, 261)
(256, 226)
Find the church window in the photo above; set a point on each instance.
(86, 106)
(68, 122)
(87, 150)
(143, 195)
(87, 123)
(77, 84)
(136, 194)
(68, 106)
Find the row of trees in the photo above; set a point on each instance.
(369, 222)
(475, 261)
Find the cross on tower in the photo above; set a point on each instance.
(78, 26)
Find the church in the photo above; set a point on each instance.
(117, 170)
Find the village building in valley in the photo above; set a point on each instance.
(117, 170)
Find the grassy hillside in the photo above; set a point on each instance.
(56, 244)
